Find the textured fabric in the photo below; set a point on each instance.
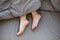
(56, 4)
(15, 8)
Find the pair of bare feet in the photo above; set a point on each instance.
(24, 22)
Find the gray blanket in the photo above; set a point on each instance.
(15, 8)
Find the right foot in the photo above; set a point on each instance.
(36, 18)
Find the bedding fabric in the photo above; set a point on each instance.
(15, 8)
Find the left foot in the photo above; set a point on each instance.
(23, 25)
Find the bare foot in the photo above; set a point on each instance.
(23, 24)
(36, 18)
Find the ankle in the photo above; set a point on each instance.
(35, 14)
(23, 17)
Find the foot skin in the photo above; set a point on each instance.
(36, 18)
(23, 25)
